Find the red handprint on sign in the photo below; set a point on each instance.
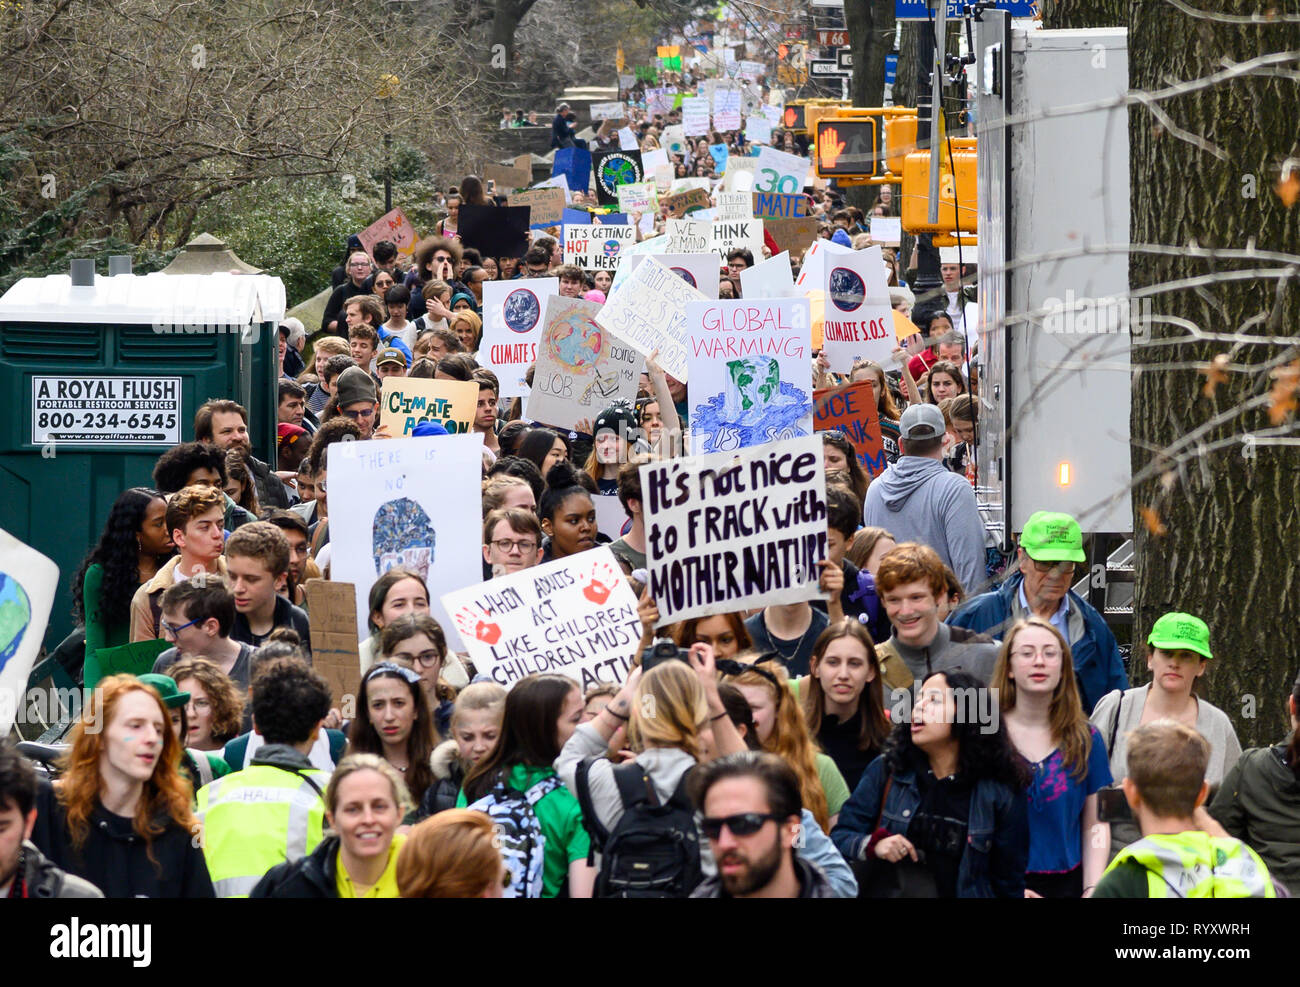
(477, 625)
(602, 582)
(829, 147)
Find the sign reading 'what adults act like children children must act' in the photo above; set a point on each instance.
(735, 530)
(575, 616)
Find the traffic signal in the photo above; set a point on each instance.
(957, 189)
(792, 119)
(848, 147)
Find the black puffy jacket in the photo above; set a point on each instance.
(312, 876)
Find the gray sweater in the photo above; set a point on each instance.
(918, 499)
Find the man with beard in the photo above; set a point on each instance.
(751, 816)
(224, 424)
(24, 871)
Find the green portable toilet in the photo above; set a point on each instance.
(103, 374)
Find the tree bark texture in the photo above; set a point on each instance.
(1084, 13)
(1216, 519)
(871, 37)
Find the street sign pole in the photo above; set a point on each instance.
(936, 106)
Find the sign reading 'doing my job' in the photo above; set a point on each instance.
(575, 616)
(735, 530)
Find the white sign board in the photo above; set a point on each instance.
(887, 230)
(777, 171)
(649, 311)
(106, 411)
(512, 325)
(28, 582)
(596, 247)
(608, 111)
(695, 116)
(726, 109)
(771, 278)
(857, 320)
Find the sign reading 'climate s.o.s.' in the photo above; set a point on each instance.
(106, 410)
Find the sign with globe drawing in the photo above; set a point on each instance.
(613, 169)
(28, 581)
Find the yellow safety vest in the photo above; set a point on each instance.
(257, 818)
(1197, 865)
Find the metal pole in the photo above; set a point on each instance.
(936, 106)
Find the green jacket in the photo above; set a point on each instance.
(1259, 803)
(561, 820)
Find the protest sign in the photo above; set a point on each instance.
(779, 206)
(28, 582)
(395, 228)
(851, 409)
(408, 401)
(751, 372)
(596, 247)
(726, 109)
(649, 311)
(627, 139)
(673, 139)
(735, 530)
(335, 647)
(575, 616)
(739, 176)
(719, 154)
(613, 169)
(695, 116)
(693, 182)
(415, 503)
(700, 271)
(772, 113)
(494, 231)
(887, 230)
(518, 174)
(608, 111)
(858, 323)
(777, 171)
(794, 235)
(656, 165)
(733, 205)
(581, 368)
(640, 197)
(688, 236)
(758, 130)
(812, 272)
(545, 206)
(611, 517)
(752, 71)
(626, 82)
(737, 234)
(512, 326)
(771, 278)
(574, 163)
(683, 203)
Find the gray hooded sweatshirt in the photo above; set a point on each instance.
(917, 499)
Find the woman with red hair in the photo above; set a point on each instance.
(119, 815)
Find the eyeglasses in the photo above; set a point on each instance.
(425, 659)
(505, 546)
(1057, 568)
(356, 416)
(201, 705)
(169, 629)
(741, 824)
(360, 263)
(320, 485)
(1027, 653)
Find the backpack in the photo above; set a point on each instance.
(523, 844)
(654, 850)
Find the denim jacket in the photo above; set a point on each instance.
(997, 836)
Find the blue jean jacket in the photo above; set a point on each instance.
(997, 835)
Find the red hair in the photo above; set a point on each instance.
(167, 794)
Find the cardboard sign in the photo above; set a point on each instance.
(28, 582)
(771, 278)
(649, 311)
(733, 206)
(735, 530)
(688, 236)
(608, 111)
(408, 401)
(335, 646)
(683, 203)
(394, 227)
(695, 116)
(596, 247)
(726, 109)
(887, 230)
(777, 171)
(642, 197)
(793, 235)
(851, 409)
(516, 175)
(778, 206)
(581, 368)
(614, 169)
(512, 326)
(751, 372)
(858, 323)
(545, 206)
(574, 163)
(495, 231)
(575, 616)
(415, 503)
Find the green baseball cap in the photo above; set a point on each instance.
(1179, 632)
(1050, 537)
(172, 697)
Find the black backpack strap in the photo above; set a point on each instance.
(681, 796)
(598, 833)
(635, 786)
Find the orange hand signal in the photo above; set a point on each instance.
(829, 147)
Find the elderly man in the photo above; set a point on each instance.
(1050, 547)
(358, 271)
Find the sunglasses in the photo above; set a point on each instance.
(741, 824)
(1058, 567)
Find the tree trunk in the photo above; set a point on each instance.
(1223, 538)
(1084, 13)
(871, 37)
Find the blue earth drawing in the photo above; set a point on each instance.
(521, 310)
(576, 342)
(15, 617)
(617, 170)
(403, 535)
(847, 289)
(685, 275)
(611, 248)
(756, 406)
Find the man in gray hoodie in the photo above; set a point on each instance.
(918, 500)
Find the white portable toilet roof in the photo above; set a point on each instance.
(148, 299)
